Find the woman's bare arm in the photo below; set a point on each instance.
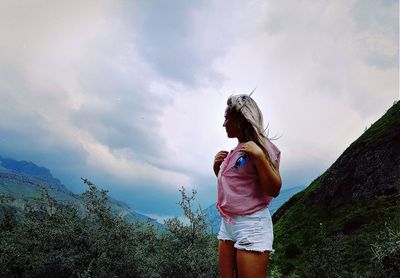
(268, 171)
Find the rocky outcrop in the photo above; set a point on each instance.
(370, 167)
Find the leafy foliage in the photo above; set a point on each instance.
(189, 248)
(386, 251)
(54, 240)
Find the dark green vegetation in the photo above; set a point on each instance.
(55, 240)
(347, 222)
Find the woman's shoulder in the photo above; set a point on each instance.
(273, 150)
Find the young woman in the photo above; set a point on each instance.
(248, 177)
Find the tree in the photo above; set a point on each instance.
(188, 249)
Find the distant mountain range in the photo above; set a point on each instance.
(22, 182)
(32, 170)
(214, 218)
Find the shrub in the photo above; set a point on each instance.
(188, 249)
(58, 241)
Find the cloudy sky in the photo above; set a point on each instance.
(131, 94)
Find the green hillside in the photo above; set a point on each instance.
(19, 190)
(338, 225)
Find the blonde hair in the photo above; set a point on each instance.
(246, 108)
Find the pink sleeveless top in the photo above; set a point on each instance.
(239, 190)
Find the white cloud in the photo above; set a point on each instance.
(135, 94)
(83, 83)
(315, 88)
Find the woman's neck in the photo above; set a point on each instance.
(241, 139)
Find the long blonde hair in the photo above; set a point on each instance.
(244, 106)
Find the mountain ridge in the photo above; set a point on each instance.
(334, 222)
(22, 182)
(29, 169)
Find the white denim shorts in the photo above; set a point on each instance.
(252, 232)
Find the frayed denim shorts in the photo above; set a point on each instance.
(252, 232)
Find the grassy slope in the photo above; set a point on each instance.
(27, 190)
(302, 229)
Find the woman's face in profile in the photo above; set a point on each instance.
(231, 124)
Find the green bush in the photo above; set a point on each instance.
(188, 250)
(58, 241)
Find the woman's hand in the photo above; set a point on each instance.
(219, 158)
(252, 149)
(268, 171)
